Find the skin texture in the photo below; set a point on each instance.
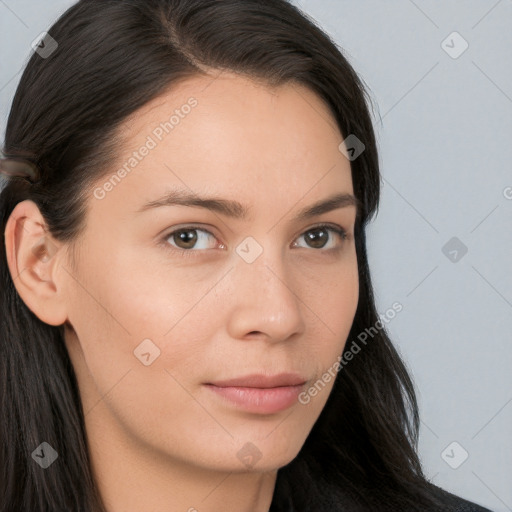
(160, 441)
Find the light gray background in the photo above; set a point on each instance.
(444, 128)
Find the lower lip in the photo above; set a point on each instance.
(260, 400)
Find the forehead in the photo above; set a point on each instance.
(228, 135)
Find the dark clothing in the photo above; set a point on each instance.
(462, 505)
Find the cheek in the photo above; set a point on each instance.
(130, 312)
(331, 294)
(334, 301)
(141, 342)
(335, 304)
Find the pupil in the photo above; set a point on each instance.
(318, 241)
(188, 240)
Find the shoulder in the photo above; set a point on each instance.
(457, 504)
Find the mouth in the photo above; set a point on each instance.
(260, 394)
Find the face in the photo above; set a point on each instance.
(165, 299)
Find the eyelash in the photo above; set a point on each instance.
(341, 232)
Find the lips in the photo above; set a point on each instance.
(259, 394)
(262, 381)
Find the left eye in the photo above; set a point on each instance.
(318, 236)
(185, 239)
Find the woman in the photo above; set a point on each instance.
(184, 272)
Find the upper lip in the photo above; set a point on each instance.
(262, 381)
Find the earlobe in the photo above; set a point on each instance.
(33, 257)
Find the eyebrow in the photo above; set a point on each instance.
(237, 210)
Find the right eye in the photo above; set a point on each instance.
(185, 239)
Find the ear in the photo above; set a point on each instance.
(33, 257)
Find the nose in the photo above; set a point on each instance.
(264, 303)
